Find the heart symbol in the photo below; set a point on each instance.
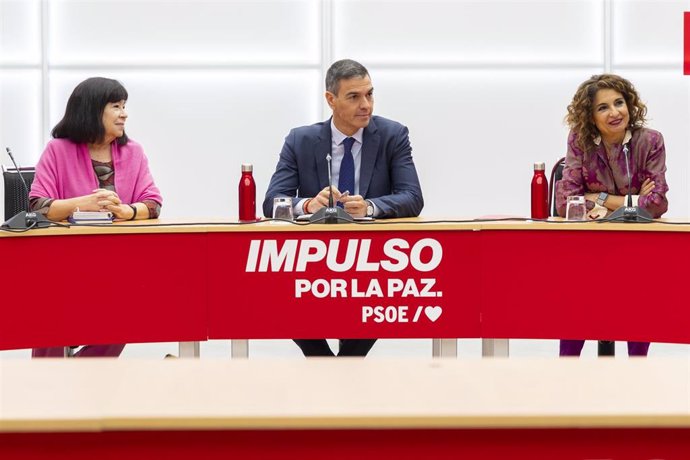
(433, 313)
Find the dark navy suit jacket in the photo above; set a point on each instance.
(387, 173)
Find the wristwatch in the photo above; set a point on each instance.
(370, 208)
(602, 198)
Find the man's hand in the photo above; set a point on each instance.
(354, 205)
(321, 200)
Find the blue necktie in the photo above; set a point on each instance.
(346, 179)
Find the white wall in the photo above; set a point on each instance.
(483, 85)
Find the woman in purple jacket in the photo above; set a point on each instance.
(91, 165)
(606, 117)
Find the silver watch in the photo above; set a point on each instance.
(370, 209)
(602, 198)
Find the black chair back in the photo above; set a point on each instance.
(16, 196)
(556, 175)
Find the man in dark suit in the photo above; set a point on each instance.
(372, 168)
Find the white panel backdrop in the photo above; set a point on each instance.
(498, 33)
(483, 86)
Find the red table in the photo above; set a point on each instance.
(124, 284)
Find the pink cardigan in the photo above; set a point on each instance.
(65, 171)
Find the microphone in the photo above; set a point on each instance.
(629, 213)
(330, 214)
(19, 172)
(24, 220)
(330, 180)
(626, 153)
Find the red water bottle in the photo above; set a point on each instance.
(540, 193)
(247, 194)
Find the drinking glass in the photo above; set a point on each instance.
(576, 208)
(282, 208)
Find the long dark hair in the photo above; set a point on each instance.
(83, 119)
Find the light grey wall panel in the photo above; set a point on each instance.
(476, 134)
(184, 32)
(648, 32)
(501, 32)
(20, 32)
(20, 115)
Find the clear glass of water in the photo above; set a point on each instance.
(576, 208)
(282, 208)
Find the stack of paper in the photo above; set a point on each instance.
(91, 217)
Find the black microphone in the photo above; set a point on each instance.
(626, 152)
(629, 213)
(330, 180)
(330, 214)
(24, 220)
(21, 176)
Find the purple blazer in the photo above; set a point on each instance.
(65, 171)
(594, 172)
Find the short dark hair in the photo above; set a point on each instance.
(343, 70)
(83, 119)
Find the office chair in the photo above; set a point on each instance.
(16, 197)
(604, 347)
(556, 175)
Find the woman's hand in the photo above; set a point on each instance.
(647, 187)
(98, 200)
(107, 200)
(121, 211)
(592, 197)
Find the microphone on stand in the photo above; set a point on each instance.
(24, 220)
(19, 172)
(330, 214)
(629, 213)
(330, 180)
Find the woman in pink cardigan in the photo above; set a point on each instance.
(91, 165)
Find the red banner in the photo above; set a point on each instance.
(370, 284)
(686, 60)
